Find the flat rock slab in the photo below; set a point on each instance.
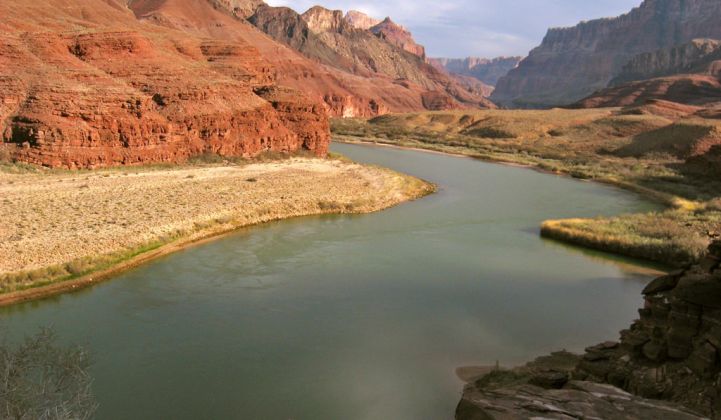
(577, 400)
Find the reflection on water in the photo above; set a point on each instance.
(353, 317)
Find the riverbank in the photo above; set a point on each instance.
(593, 145)
(67, 229)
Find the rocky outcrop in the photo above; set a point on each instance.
(121, 92)
(320, 19)
(240, 8)
(576, 400)
(544, 389)
(673, 351)
(398, 36)
(572, 63)
(360, 20)
(486, 70)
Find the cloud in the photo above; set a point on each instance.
(488, 28)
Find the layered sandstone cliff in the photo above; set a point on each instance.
(84, 84)
(687, 73)
(700, 56)
(572, 63)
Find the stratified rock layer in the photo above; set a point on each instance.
(700, 56)
(84, 84)
(687, 74)
(572, 63)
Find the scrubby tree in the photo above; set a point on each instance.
(40, 379)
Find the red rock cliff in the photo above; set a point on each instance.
(84, 84)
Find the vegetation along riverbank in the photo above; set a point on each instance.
(652, 149)
(71, 228)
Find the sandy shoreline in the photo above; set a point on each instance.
(72, 229)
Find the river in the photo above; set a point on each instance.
(353, 317)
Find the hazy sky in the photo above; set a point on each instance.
(486, 28)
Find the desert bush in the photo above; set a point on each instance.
(328, 205)
(206, 158)
(78, 267)
(40, 379)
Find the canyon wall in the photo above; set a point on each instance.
(84, 84)
(700, 56)
(572, 63)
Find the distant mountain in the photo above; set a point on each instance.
(385, 52)
(486, 70)
(572, 63)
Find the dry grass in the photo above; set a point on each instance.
(674, 237)
(60, 224)
(639, 151)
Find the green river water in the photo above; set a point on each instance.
(353, 317)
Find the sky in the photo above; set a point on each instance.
(484, 28)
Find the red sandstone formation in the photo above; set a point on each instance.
(572, 63)
(83, 83)
(398, 36)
